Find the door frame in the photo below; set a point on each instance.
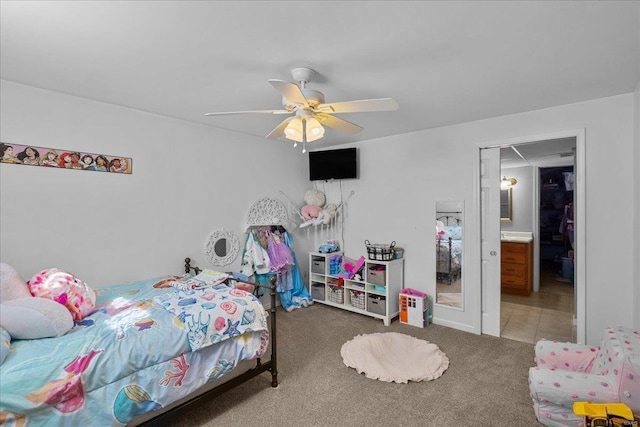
(580, 255)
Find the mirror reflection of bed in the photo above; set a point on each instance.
(448, 247)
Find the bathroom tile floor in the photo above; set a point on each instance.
(545, 314)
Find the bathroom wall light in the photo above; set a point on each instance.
(507, 183)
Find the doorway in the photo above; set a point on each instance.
(547, 310)
(550, 148)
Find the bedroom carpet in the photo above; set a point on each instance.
(394, 357)
(486, 383)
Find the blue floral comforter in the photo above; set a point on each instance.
(135, 353)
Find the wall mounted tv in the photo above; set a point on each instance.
(333, 164)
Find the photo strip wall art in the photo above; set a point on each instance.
(66, 159)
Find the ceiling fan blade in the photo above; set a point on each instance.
(290, 91)
(363, 105)
(337, 123)
(279, 130)
(228, 113)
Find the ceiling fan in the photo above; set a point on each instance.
(311, 112)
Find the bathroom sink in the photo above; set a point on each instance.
(517, 239)
(516, 236)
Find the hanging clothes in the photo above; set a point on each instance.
(269, 252)
(279, 253)
(299, 292)
(255, 258)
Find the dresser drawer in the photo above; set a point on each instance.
(511, 281)
(511, 269)
(516, 273)
(514, 252)
(507, 257)
(514, 248)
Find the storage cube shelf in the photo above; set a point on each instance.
(317, 291)
(336, 294)
(376, 295)
(357, 299)
(376, 275)
(377, 304)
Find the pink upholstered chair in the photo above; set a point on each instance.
(567, 373)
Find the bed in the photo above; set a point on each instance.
(147, 350)
(449, 249)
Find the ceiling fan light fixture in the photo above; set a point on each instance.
(311, 113)
(314, 129)
(300, 129)
(293, 131)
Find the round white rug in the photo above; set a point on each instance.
(394, 357)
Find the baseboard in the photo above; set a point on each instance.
(455, 325)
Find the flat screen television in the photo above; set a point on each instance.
(333, 164)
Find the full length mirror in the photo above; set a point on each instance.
(449, 225)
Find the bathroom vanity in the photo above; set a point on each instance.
(516, 263)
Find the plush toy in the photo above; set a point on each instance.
(315, 212)
(327, 214)
(314, 200)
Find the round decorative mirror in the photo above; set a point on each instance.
(222, 247)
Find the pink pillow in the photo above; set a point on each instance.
(66, 289)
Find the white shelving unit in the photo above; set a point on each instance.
(376, 295)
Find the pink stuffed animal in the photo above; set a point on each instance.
(314, 200)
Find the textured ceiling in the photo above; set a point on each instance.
(444, 62)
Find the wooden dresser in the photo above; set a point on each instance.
(516, 268)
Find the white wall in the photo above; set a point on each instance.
(521, 200)
(402, 177)
(115, 228)
(188, 180)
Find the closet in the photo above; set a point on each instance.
(556, 218)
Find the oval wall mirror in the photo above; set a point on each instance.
(222, 247)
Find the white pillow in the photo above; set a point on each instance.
(204, 279)
(211, 277)
(11, 284)
(32, 318)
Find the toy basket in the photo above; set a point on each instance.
(357, 299)
(336, 294)
(380, 252)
